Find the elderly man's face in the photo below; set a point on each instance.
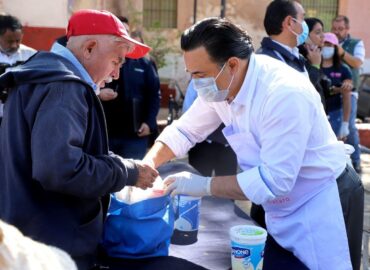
(10, 41)
(106, 59)
(199, 64)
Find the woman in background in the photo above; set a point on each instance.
(311, 51)
(338, 91)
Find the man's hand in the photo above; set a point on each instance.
(340, 51)
(344, 131)
(147, 175)
(346, 87)
(188, 184)
(313, 54)
(144, 130)
(107, 94)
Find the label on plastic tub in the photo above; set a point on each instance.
(247, 247)
(186, 210)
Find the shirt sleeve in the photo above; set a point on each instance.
(359, 51)
(284, 129)
(193, 126)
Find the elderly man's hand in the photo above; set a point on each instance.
(144, 130)
(107, 94)
(147, 175)
(188, 183)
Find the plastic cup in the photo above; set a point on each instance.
(247, 247)
(186, 210)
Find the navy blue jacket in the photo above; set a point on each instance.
(55, 170)
(270, 48)
(139, 84)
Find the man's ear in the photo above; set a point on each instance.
(89, 47)
(287, 23)
(233, 64)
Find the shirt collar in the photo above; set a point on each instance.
(8, 54)
(293, 51)
(248, 83)
(67, 54)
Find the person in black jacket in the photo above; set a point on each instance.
(284, 43)
(286, 29)
(56, 172)
(131, 105)
(284, 25)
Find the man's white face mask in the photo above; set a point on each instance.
(207, 88)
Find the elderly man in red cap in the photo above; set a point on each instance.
(56, 172)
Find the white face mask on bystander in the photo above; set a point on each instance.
(327, 52)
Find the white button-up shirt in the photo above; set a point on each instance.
(22, 54)
(281, 111)
(289, 155)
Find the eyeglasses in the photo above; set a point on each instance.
(339, 29)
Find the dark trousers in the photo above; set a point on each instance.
(278, 258)
(206, 157)
(351, 193)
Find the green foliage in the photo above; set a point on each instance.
(160, 47)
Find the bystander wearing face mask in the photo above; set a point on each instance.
(301, 38)
(208, 90)
(327, 52)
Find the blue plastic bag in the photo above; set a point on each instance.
(138, 230)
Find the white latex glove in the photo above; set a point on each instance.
(188, 184)
(344, 130)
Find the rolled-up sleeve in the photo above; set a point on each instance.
(194, 126)
(283, 140)
(175, 140)
(253, 186)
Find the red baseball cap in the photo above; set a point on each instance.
(95, 22)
